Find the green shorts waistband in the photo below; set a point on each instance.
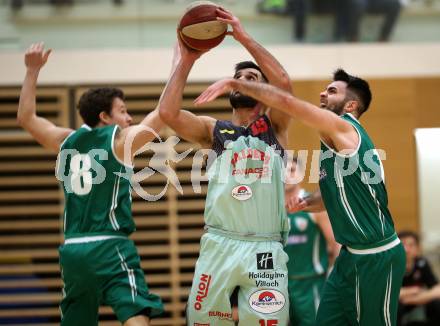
(377, 247)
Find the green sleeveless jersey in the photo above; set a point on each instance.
(306, 247)
(246, 189)
(97, 197)
(354, 193)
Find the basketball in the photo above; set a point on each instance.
(199, 29)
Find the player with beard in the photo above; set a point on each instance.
(245, 217)
(363, 288)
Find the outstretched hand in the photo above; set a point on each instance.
(220, 87)
(35, 57)
(227, 17)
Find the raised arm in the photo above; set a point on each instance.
(270, 66)
(196, 129)
(338, 132)
(131, 139)
(44, 131)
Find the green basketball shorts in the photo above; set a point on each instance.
(105, 272)
(363, 289)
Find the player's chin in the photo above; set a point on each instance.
(124, 125)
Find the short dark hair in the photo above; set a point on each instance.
(96, 100)
(357, 87)
(249, 64)
(409, 234)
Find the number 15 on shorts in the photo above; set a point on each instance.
(270, 322)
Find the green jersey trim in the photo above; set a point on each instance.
(65, 139)
(377, 247)
(345, 203)
(114, 205)
(316, 297)
(376, 201)
(85, 126)
(95, 234)
(376, 250)
(93, 239)
(112, 145)
(316, 263)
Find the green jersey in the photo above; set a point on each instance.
(306, 247)
(96, 187)
(353, 190)
(246, 190)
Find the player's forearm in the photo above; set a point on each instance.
(434, 292)
(323, 121)
(170, 101)
(274, 98)
(27, 104)
(270, 66)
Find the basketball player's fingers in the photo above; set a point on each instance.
(204, 97)
(197, 100)
(290, 204)
(200, 99)
(230, 33)
(33, 47)
(46, 55)
(225, 20)
(302, 204)
(223, 11)
(39, 48)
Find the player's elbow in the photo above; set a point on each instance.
(286, 82)
(167, 116)
(21, 119)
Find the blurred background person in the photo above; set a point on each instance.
(349, 14)
(312, 248)
(419, 301)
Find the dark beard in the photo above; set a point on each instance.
(240, 101)
(338, 108)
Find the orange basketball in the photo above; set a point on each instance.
(199, 28)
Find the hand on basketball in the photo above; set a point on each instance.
(35, 56)
(215, 90)
(227, 17)
(183, 52)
